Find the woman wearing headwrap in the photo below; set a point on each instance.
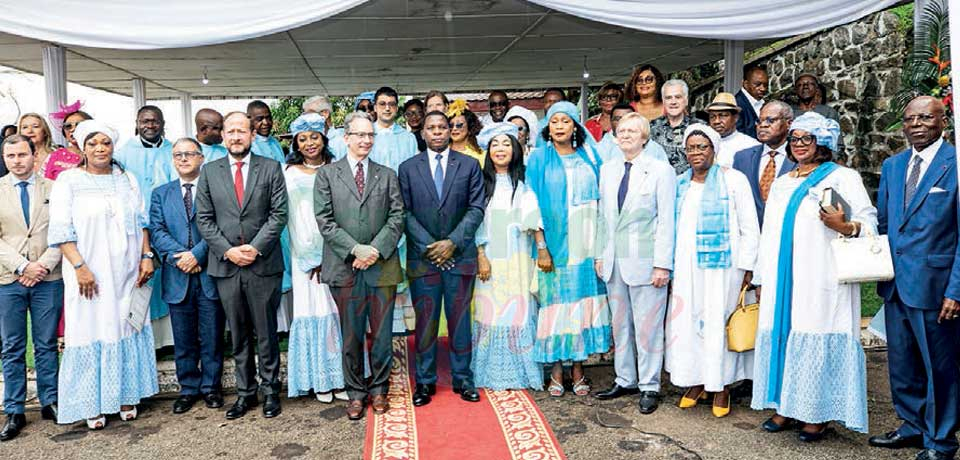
(504, 320)
(314, 359)
(573, 320)
(526, 122)
(66, 120)
(464, 127)
(99, 221)
(716, 248)
(809, 365)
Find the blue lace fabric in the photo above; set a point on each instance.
(314, 359)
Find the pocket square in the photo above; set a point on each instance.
(937, 190)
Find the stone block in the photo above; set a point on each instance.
(872, 86)
(776, 67)
(859, 33)
(891, 82)
(841, 37)
(887, 23)
(825, 47)
(885, 120)
(895, 142)
(851, 57)
(847, 125)
(847, 88)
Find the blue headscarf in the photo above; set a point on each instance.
(825, 130)
(365, 96)
(309, 122)
(493, 130)
(713, 223)
(547, 178)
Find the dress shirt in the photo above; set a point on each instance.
(193, 190)
(353, 167)
(927, 154)
(765, 158)
(756, 104)
(445, 157)
(731, 144)
(32, 180)
(243, 171)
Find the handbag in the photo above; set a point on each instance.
(864, 259)
(742, 325)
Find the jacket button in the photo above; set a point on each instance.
(899, 252)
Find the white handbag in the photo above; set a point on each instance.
(861, 260)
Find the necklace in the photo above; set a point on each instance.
(103, 192)
(798, 173)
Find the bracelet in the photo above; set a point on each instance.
(855, 232)
(78, 265)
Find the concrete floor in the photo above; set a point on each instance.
(587, 430)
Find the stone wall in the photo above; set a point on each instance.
(860, 63)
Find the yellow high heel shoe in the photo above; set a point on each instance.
(687, 402)
(721, 411)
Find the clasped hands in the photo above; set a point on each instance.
(242, 255)
(187, 263)
(33, 274)
(364, 256)
(440, 254)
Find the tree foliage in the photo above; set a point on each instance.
(927, 68)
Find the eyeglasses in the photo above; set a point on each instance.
(458, 125)
(493, 104)
(647, 80)
(367, 135)
(186, 155)
(412, 113)
(802, 141)
(699, 148)
(521, 128)
(769, 120)
(920, 118)
(384, 104)
(609, 97)
(69, 126)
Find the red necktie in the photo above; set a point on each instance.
(358, 178)
(238, 183)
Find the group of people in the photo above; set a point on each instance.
(542, 240)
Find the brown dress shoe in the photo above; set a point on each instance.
(380, 404)
(355, 409)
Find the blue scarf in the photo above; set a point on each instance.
(713, 230)
(547, 178)
(784, 300)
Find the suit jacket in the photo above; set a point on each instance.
(224, 224)
(747, 122)
(748, 162)
(346, 219)
(19, 244)
(640, 236)
(923, 234)
(455, 215)
(170, 232)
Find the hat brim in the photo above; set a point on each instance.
(718, 106)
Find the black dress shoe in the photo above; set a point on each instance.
(431, 388)
(271, 406)
(49, 412)
(240, 408)
(930, 454)
(615, 392)
(421, 397)
(469, 394)
(184, 403)
(895, 440)
(806, 436)
(213, 400)
(15, 423)
(649, 402)
(772, 427)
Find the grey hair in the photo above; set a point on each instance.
(784, 109)
(191, 141)
(354, 116)
(318, 103)
(675, 82)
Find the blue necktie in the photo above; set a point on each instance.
(624, 184)
(25, 201)
(188, 205)
(438, 176)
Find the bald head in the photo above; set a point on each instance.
(209, 125)
(924, 120)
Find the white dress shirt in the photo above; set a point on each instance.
(444, 158)
(193, 190)
(730, 145)
(927, 154)
(353, 167)
(32, 180)
(756, 104)
(780, 157)
(243, 171)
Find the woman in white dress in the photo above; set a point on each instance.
(314, 360)
(504, 319)
(98, 219)
(716, 249)
(809, 364)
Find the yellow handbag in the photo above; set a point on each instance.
(742, 325)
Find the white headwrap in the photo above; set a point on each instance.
(712, 135)
(532, 122)
(88, 127)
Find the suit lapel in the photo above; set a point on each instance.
(373, 176)
(452, 165)
(754, 177)
(39, 196)
(253, 171)
(424, 168)
(347, 178)
(938, 167)
(228, 180)
(786, 167)
(638, 175)
(173, 193)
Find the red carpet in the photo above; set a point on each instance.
(503, 425)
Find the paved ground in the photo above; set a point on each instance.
(587, 430)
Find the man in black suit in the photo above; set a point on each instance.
(241, 210)
(750, 98)
(443, 196)
(764, 163)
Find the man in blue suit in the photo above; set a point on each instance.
(766, 162)
(443, 195)
(750, 98)
(195, 311)
(917, 210)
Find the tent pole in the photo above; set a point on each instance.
(584, 102)
(732, 65)
(139, 93)
(186, 109)
(55, 80)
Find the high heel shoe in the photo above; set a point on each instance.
(721, 411)
(129, 415)
(688, 401)
(806, 436)
(325, 398)
(556, 388)
(98, 423)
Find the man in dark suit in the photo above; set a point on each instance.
(443, 196)
(750, 98)
(768, 161)
(360, 215)
(195, 312)
(241, 211)
(917, 210)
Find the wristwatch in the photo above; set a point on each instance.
(78, 265)
(146, 255)
(542, 245)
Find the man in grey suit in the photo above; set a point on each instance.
(241, 210)
(360, 214)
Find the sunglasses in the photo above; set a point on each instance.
(610, 97)
(493, 104)
(648, 79)
(458, 125)
(69, 126)
(802, 141)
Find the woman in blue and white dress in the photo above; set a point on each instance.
(99, 221)
(314, 360)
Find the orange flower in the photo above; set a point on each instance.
(941, 65)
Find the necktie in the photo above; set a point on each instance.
(438, 176)
(25, 201)
(188, 205)
(358, 178)
(238, 183)
(911, 188)
(624, 184)
(769, 174)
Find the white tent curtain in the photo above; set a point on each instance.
(955, 69)
(125, 24)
